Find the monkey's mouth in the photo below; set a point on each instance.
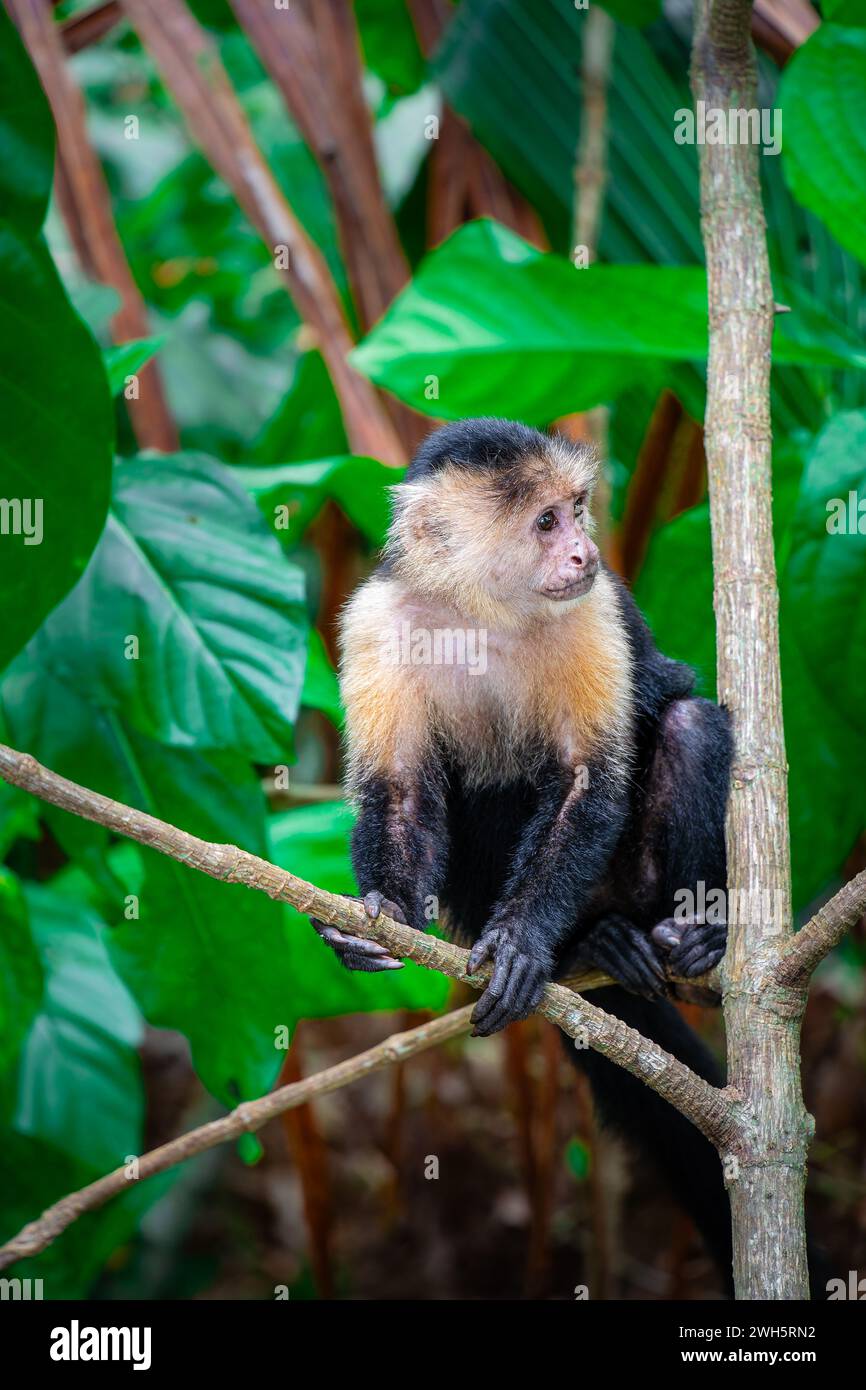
(575, 589)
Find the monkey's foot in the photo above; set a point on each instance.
(618, 947)
(692, 946)
(515, 987)
(355, 952)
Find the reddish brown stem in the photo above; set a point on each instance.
(86, 205)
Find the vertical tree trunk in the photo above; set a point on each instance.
(767, 1173)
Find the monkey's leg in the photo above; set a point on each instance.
(684, 833)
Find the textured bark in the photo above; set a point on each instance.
(762, 1022)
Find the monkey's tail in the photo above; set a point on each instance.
(685, 1159)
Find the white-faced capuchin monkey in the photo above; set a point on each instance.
(549, 797)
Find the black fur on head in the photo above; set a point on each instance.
(485, 443)
(519, 463)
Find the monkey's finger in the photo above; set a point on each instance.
(511, 1004)
(481, 952)
(497, 985)
(356, 960)
(699, 953)
(339, 941)
(374, 903)
(667, 934)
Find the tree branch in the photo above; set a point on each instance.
(711, 1109)
(244, 1119)
(821, 933)
(762, 1025)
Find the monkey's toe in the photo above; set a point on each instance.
(619, 948)
(355, 952)
(693, 947)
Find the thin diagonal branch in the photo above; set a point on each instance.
(244, 1119)
(711, 1109)
(821, 933)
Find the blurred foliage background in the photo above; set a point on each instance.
(248, 255)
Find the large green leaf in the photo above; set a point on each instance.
(291, 495)
(313, 841)
(187, 570)
(499, 327)
(826, 574)
(26, 136)
(823, 95)
(78, 1083)
(493, 48)
(20, 969)
(308, 423)
(55, 451)
(200, 956)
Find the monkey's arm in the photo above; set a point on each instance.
(563, 852)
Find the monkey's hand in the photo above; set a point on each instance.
(622, 950)
(692, 945)
(516, 985)
(355, 952)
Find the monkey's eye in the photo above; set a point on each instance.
(546, 521)
(579, 506)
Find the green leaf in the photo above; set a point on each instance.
(390, 44)
(20, 969)
(823, 94)
(544, 338)
(851, 12)
(577, 1158)
(26, 136)
(308, 423)
(826, 573)
(202, 630)
(321, 690)
(205, 957)
(127, 359)
(639, 12)
(313, 842)
(57, 427)
(78, 1084)
(291, 495)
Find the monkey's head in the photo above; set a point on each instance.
(493, 518)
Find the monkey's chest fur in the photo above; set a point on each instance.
(521, 702)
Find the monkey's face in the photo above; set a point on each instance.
(506, 542)
(567, 557)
